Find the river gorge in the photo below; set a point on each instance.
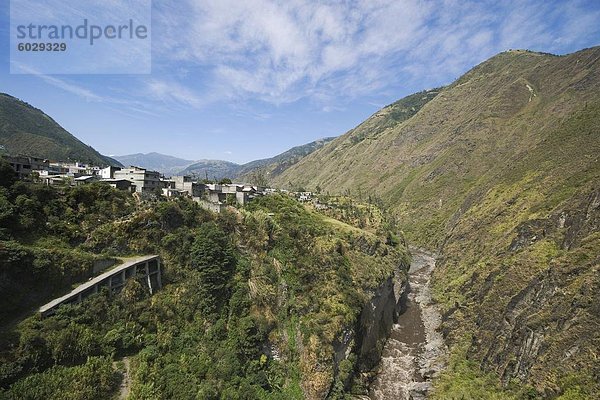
(415, 350)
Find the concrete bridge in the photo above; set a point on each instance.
(147, 267)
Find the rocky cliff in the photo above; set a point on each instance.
(364, 342)
(377, 318)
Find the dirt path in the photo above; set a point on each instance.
(126, 382)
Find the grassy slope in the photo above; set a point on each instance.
(504, 182)
(27, 130)
(350, 152)
(327, 281)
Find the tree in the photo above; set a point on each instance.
(7, 174)
(171, 216)
(214, 261)
(7, 219)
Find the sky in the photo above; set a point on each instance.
(243, 80)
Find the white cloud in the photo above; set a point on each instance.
(117, 103)
(79, 91)
(331, 52)
(278, 51)
(282, 51)
(105, 56)
(172, 92)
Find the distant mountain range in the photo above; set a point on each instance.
(275, 166)
(168, 165)
(218, 169)
(27, 130)
(211, 169)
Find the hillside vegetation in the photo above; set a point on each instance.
(27, 130)
(253, 303)
(500, 173)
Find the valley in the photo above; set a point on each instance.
(448, 247)
(503, 185)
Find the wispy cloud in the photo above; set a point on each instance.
(129, 107)
(171, 91)
(106, 56)
(77, 90)
(279, 52)
(274, 53)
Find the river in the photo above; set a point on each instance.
(415, 349)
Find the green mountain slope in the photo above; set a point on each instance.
(155, 161)
(27, 130)
(499, 172)
(341, 156)
(274, 166)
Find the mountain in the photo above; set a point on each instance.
(269, 168)
(259, 171)
(27, 130)
(155, 161)
(499, 172)
(274, 166)
(211, 169)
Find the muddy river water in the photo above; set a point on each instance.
(415, 350)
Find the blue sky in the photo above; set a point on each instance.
(241, 80)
